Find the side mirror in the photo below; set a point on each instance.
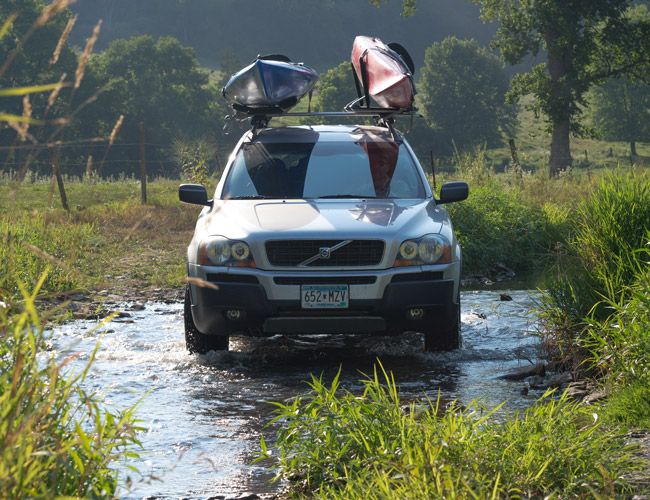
(194, 194)
(453, 191)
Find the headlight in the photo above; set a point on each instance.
(430, 249)
(219, 251)
(408, 250)
(240, 251)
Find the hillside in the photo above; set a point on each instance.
(317, 32)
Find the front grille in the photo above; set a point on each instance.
(358, 253)
(343, 280)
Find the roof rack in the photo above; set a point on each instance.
(260, 117)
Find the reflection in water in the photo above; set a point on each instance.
(205, 414)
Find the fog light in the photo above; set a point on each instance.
(233, 314)
(415, 313)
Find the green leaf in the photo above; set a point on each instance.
(6, 26)
(33, 89)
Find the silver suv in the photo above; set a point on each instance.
(322, 229)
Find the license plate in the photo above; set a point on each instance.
(324, 296)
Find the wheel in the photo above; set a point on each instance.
(444, 333)
(196, 341)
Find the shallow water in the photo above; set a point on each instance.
(205, 414)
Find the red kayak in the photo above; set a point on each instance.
(383, 73)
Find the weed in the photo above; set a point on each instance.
(497, 226)
(55, 438)
(604, 260)
(335, 444)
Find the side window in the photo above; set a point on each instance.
(406, 182)
(239, 181)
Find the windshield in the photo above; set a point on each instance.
(371, 166)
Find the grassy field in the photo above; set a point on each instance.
(109, 240)
(533, 141)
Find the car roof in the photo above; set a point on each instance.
(321, 133)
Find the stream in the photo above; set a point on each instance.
(204, 415)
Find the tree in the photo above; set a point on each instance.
(32, 62)
(620, 111)
(26, 52)
(335, 88)
(585, 41)
(461, 92)
(158, 82)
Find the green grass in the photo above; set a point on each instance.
(608, 232)
(533, 142)
(56, 439)
(497, 226)
(336, 444)
(108, 240)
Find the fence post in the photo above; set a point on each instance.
(56, 170)
(89, 169)
(143, 167)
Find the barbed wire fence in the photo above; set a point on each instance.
(81, 158)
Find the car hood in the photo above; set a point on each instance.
(323, 218)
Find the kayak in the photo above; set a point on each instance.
(383, 73)
(269, 82)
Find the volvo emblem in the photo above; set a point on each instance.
(324, 253)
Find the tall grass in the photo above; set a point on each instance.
(604, 261)
(32, 242)
(55, 437)
(336, 444)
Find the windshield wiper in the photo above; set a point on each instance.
(252, 197)
(334, 196)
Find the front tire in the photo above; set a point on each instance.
(196, 341)
(444, 333)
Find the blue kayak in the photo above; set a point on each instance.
(270, 82)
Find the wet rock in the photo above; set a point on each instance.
(476, 280)
(122, 314)
(78, 297)
(537, 382)
(245, 496)
(137, 307)
(73, 307)
(538, 369)
(501, 272)
(577, 390)
(524, 391)
(217, 497)
(559, 380)
(594, 396)
(504, 297)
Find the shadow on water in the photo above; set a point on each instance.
(205, 414)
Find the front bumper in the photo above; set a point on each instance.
(270, 301)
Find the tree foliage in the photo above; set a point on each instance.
(157, 82)
(32, 63)
(33, 49)
(335, 88)
(620, 111)
(461, 92)
(585, 42)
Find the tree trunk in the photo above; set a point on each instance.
(561, 99)
(633, 149)
(560, 148)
